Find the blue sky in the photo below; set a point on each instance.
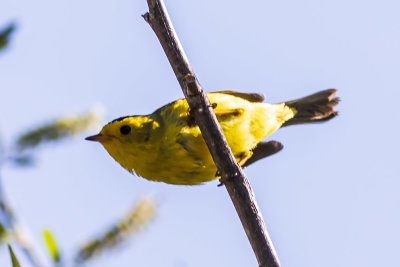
(330, 198)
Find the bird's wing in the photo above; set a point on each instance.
(252, 97)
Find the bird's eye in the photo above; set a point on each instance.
(125, 129)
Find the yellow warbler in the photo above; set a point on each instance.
(167, 145)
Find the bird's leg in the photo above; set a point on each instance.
(236, 111)
(243, 157)
(191, 121)
(262, 150)
(218, 174)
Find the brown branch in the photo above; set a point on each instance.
(232, 175)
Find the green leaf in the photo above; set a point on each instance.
(14, 260)
(5, 35)
(52, 246)
(3, 233)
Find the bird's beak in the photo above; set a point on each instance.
(99, 138)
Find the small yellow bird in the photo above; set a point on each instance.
(167, 145)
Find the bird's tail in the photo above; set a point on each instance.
(317, 107)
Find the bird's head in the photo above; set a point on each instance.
(126, 137)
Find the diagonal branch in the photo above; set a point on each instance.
(232, 176)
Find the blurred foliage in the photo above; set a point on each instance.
(22, 155)
(3, 233)
(14, 260)
(133, 222)
(6, 214)
(52, 246)
(57, 130)
(5, 35)
(23, 160)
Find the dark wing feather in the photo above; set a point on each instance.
(252, 97)
(262, 150)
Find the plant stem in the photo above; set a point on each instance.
(19, 232)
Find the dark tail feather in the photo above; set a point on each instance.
(314, 108)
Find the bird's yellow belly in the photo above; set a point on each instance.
(186, 159)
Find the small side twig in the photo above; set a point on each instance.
(232, 175)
